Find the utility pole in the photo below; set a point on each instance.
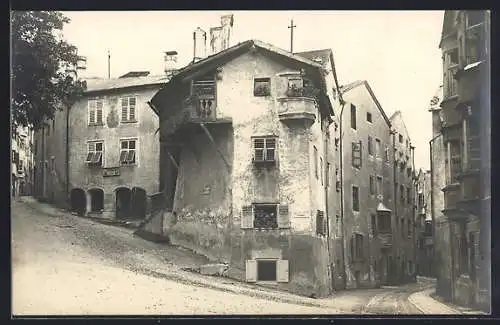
(291, 27)
(109, 64)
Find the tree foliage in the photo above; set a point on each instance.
(40, 61)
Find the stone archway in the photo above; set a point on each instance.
(96, 200)
(139, 202)
(78, 201)
(123, 202)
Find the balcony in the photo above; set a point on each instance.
(451, 196)
(298, 104)
(385, 239)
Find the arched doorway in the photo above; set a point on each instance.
(139, 203)
(96, 200)
(78, 201)
(123, 202)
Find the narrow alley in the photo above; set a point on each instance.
(67, 265)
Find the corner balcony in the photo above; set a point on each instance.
(298, 104)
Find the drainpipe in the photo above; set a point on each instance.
(395, 199)
(67, 157)
(341, 136)
(326, 185)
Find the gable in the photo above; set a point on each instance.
(399, 124)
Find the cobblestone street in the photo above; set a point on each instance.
(64, 264)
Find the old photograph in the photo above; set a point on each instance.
(250, 163)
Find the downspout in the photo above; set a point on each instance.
(67, 158)
(431, 152)
(326, 172)
(395, 200)
(341, 140)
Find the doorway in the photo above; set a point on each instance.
(123, 197)
(78, 201)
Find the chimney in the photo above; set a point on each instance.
(226, 22)
(170, 63)
(200, 44)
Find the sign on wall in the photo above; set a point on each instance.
(112, 171)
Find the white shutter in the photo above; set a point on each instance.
(283, 216)
(247, 217)
(251, 270)
(282, 271)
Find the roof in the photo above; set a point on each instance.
(352, 85)
(135, 74)
(197, 68)
(446, 30)
(400, 114)
(324, 54)
(382, 208)
(119, 83)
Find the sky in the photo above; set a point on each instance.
(395, 51)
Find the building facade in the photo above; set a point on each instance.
(424, 225)
(21, 160)
(367, 187)
(113, 148)
(465, 129)
(248, 164)
(404, 204)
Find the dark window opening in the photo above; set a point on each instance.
(355, 198)
(400, 138)
(454, 56)
(262, 87)
(315, 161)
(408, 196)
(265, 216)
(369, 117)
(374, 224)
(357, 155)
(372, 184)
(266, 270)
(353, 117)
(370, 146)
(320, 223)
(384, 222)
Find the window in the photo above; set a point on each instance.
(95, 112)
(356, 155)
(372, 185)
(420, 200)
(128, 109)
(384, 222)
(315, 161)
(402, 225)
(369, 117)
(402, 193)
(355, 198)
(408, 196)
(370, 146)
(378, 148)
(336, 144)
(400, 138)
(320, 223)
(20, 165)
(48, 132)
(128, 152)
(374, 224)
(357, 246)
(380, 186)
(453, 56)
(386, 154)
(410, 228)
(265, 216)
(266, 270)
(94, 154)
(262, 87)
(321, 169)
(264, 149)
(13, 156)
(353, 117)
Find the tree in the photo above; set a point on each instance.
(40, 63)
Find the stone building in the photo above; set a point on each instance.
(366, 148)
(247, 161)
(424, 225)
(100, 157)
(465, 130)
(113, 147)
(404, 207)
(21, 160)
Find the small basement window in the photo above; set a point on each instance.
(266, 270)
(265, 216)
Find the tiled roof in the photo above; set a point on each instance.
(324, 55)
(118, 83)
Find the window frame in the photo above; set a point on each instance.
(378, 148)
(90, 109)
(136, 156)
(369, 117)
(379, 185)
(258, 92)
(276, 215)
(90, 162)
(316, 161)
(370, 146)
(265, 149)
(353, 117)
(128, 98)
(354, 157)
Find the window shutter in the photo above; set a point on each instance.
(91, 116)
(360, 153)
(282, 271)
(283, 216)
(124, 109)
(251, 270)
(99, 111)
(246, 217)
